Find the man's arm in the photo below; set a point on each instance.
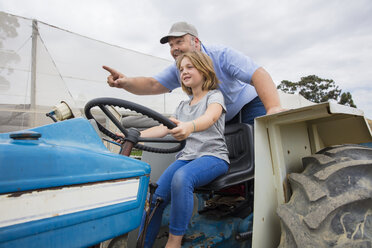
(135, 85)
(267, 91)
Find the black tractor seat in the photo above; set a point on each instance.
(239, 141)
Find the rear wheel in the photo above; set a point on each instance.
(331, 204)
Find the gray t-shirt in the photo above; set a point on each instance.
(208, 142)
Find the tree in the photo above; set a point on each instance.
(317, 90)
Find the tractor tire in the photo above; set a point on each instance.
(331, 204)
(118, 242)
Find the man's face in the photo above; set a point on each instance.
(183, 44)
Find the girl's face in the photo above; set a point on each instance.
(190, 76)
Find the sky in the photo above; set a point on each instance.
(290, 39)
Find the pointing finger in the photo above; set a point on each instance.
(109, 69)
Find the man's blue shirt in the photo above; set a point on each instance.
(233, 69)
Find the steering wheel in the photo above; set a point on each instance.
(132, 134)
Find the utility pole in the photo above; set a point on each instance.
(35, 33)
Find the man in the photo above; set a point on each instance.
(245, 85)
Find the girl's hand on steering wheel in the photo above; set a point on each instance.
(183, 129)
(120, 141)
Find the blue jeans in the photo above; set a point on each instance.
(251, 110)
(177, 183)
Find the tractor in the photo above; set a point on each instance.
(299, 178)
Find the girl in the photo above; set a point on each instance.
(200, 120)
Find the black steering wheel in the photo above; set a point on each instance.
(103, 102)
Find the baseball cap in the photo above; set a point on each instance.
(180, 29)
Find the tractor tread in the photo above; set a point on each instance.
(318, 158)
(313, 190)
(327, 172)
(331, 203)
(319, 214)
(292, 222)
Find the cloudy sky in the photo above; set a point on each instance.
(291, 39)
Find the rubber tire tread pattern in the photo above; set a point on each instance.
(334, 209)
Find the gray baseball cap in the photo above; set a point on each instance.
(180, 29)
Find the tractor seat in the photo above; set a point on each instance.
(239, 141)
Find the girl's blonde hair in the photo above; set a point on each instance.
(203, 63)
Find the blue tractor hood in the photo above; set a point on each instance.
(68, 152)
(61, 187)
